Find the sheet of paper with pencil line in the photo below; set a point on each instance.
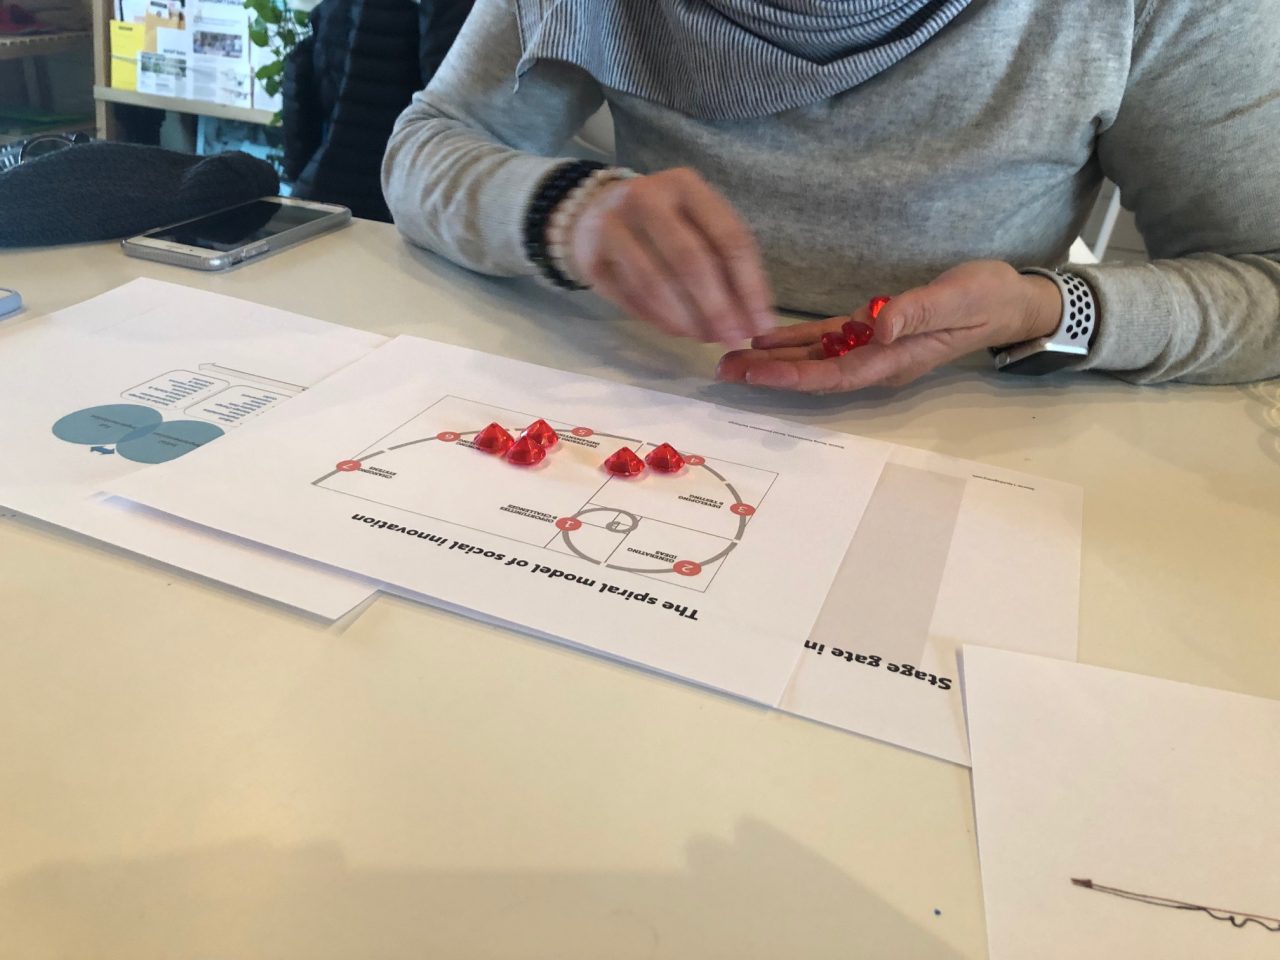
(1122, 816)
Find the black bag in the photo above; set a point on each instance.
(107, 191)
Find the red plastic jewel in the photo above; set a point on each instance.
(665, 459)
(624, 463)
(494, 439)
(876, 305)
(526, 452)
(835, 345)
(859, 334)
(542, 433)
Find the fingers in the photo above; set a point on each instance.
(906, 315)
(950, 302)
(669, 244)
(689, 266)
(797, 334)
(736, 250)
(627, 274)
(798, 369)
(733, 366)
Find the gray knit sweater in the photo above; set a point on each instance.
(990, 141)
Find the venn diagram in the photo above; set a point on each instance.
(135, 432)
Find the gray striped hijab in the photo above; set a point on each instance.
(729, 59)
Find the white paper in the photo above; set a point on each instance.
(167, 72)
(718, 572)
(949, 552)
(219, 67)
(163, 74)
(134, 11)
(1160, 791)
(189, 364)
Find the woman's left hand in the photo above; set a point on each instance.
(976, 305)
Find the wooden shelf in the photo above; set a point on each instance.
(204, 108)
(42, 44)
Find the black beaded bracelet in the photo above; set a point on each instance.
(557, 185)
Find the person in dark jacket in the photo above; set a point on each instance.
(346, 83)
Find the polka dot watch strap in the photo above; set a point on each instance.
(1069, 343)
(1079, 309)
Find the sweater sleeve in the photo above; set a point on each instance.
(1192, 149)
(469, 151)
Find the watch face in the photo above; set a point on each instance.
(1039, 363)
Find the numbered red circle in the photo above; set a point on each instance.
(742, 509)
(349, 466)
(687, 568)
(569, 524)
(448, 436)
(694, 460)
(582, 431)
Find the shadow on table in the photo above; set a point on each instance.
(1264, 410)
(760, 896)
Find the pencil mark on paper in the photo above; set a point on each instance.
(1236, 918)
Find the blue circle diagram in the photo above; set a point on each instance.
(107, 424)
(168, 441)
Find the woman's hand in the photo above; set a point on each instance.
(672, 252)
(980, 304)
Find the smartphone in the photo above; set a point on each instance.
(10, 301)
(220, 240)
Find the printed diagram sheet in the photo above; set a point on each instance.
(172, 414)
(917, 583)
(142, 376)
(677, 530)
(714, 573)
(1120, 815)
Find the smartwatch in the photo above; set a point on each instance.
(1067, 345)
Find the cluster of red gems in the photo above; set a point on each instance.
(854, 333)
(662, 459)
(529, 450)
(539, 437)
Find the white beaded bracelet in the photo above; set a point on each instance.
(565, 215)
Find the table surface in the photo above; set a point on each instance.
(189, 771)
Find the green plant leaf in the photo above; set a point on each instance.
(273, 69)
(258, 35)
(271, 13)
(300, 17)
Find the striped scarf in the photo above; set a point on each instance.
(729, 59)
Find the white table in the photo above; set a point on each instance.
(185, 771)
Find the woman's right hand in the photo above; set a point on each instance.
(672, 252)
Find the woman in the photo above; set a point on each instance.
(816, 153)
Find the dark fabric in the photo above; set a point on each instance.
(303, 123)
(345, 85)
(105, 191)
(438, 24)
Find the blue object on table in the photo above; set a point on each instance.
(10, 302)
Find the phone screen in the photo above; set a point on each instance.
(247, 223)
